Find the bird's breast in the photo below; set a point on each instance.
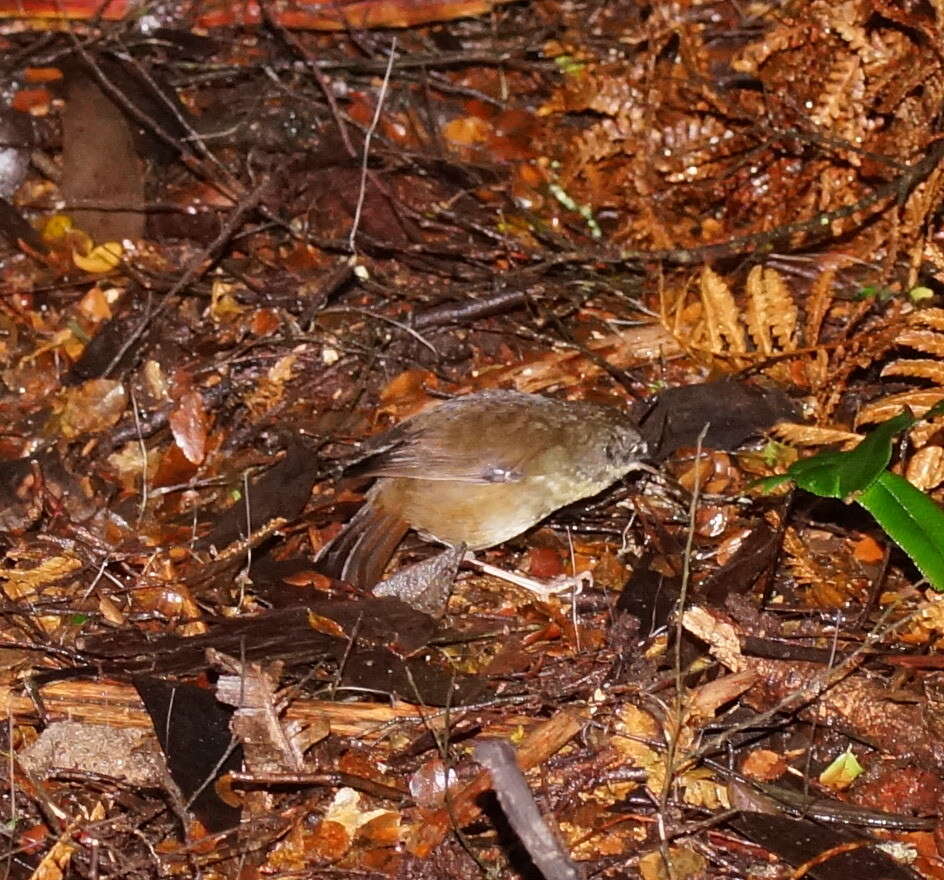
(479, 515)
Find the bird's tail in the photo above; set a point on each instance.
(360, 553)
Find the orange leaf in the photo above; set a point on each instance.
(867, 549)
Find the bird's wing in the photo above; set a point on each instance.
(427, 461)
(463, 448)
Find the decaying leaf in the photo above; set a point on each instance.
(20, 583)
(91, 407)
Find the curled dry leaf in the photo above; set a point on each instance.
(100, 259)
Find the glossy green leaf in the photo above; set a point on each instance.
(842, 475)
(912, 520)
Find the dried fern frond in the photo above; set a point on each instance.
(929, 318)
(760, 326)
(920, 368)
(811, 435)
(826, 585)
(926, 468)
(722, 318)
(821, 298)
(927, 341)
(924, 333)
(920, 401)
(771, 311)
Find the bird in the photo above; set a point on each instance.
(477, 470)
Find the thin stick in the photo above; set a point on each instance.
(145, 487)
(672, 745)
(367, 137)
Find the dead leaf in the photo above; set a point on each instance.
(188, 423)
(91, 407)
(764, 764)
(100, 259)
(26, 583)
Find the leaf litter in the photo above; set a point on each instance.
(286, 230)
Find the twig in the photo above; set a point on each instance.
(672, 745)
(362, 191)
(144, 461)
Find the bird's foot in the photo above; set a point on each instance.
(573, 584)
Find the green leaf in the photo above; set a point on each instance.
(908, 516)
(912, 520)
(832, 474)
(843, 771)
(844, 474)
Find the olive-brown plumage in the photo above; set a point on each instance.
(478, 470)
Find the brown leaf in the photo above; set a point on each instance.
(764, 764)
(332, 15)
(91, 407)
(100, 162)
(188, 423)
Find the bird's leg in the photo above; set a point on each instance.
(574, 584)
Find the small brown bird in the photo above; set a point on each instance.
(478, 470)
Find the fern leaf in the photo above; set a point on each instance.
(920, 402)
(928, 341)
(919, 368)
(725, 331)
